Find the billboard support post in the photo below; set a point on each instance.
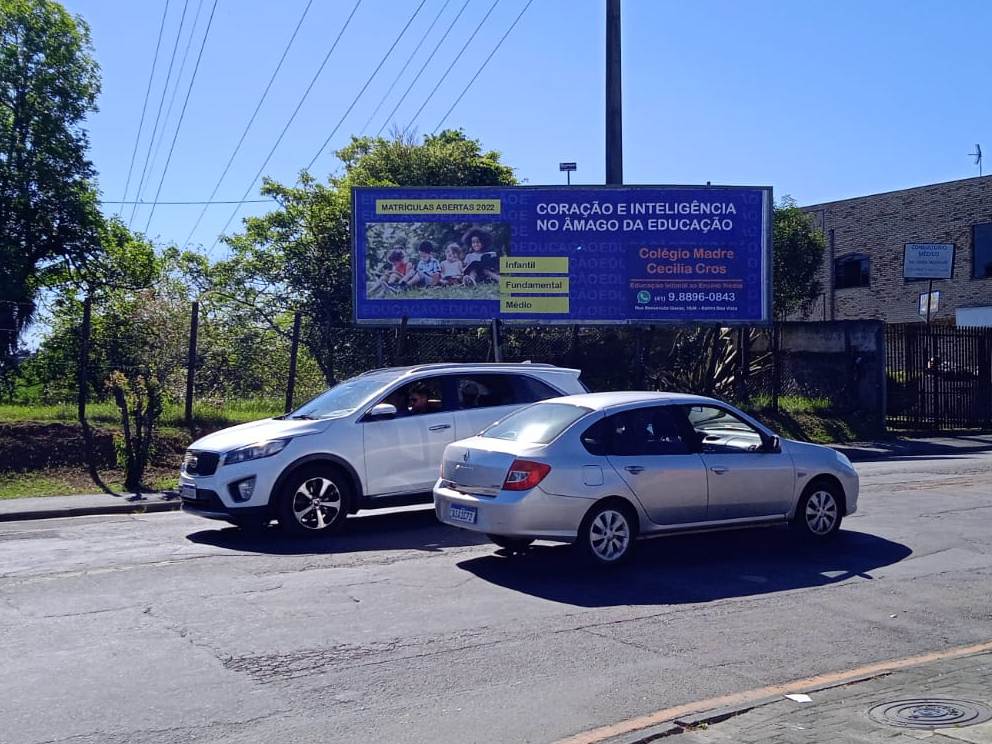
(497, 340)
(614, 96)
(401, 340)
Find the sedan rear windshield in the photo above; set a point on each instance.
(536, 424)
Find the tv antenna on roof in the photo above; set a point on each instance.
(977, 154)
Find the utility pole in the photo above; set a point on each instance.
(614, 97)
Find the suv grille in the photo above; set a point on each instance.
(200, 463)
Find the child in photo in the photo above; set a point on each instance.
(451, 266)
(428, 271)
(481, 262)
(394, 276)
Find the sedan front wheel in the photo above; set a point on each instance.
(819, 511)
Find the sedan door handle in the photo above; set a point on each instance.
(635, 469)
(439, 427)
(719, 469)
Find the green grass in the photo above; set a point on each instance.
(75, 481)
(791, 403)
(232, 412)
(481, 291)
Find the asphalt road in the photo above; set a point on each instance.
(168, 628)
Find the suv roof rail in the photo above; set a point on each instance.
(450, 365)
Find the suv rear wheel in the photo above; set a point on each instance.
(314, 501)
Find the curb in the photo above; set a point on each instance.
(687, 717)
(130, 507)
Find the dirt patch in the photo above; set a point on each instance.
(27, 446)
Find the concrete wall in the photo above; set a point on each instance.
(880, 225)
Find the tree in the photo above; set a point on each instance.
(798, 249)
(48, 211)
(298, 257)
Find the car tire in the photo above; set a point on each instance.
(512, 544)
(608, 534)
(314, 501)
(819, 511)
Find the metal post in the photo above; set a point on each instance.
(379, 350)
(614, 96)
(497, 340)
(401, 341)
(293, 351)
(82, 366)
(776, 366)
(929, 299)
(194, 324)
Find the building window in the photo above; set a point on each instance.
(981, 251)
(851, 271)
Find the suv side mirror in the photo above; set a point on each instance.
(381, 411)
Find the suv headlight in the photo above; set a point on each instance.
(256, 451)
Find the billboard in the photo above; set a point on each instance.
(928, 260)
(542, 254)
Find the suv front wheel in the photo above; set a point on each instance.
(314, 501)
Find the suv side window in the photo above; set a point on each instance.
(418, 397)
(532, 390)
(719, 431)
(484, 391)
(648, 431)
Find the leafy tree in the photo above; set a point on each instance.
(48, 212)
(298, 257)
(798, 248)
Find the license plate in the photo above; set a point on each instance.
(459, 513)
(188, 492)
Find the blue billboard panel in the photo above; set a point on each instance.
(596, 254)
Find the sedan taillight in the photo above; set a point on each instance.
(524, 475)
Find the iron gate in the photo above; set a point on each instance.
(939, 377)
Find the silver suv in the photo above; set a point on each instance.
(366, 442)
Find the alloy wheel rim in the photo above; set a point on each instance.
(821, 512)
(316, 503)
(609, 535)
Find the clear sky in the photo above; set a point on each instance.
(821, 99)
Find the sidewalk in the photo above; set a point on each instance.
(54, 507)
(943, 702)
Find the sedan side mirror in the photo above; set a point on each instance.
(773, 444)
(381, 411)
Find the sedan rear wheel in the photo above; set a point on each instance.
(818, 513)
(608, 533)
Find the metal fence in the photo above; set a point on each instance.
(939, 377)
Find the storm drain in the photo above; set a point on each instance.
(930, 713)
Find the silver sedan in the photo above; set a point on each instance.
(603, 469)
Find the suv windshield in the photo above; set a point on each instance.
(536, 424)
(344, 397)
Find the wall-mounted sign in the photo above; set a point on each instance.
(928, 261)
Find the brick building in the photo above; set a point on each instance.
(862, 273)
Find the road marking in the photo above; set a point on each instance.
(806, 684)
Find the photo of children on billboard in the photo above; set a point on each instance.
(437, 260)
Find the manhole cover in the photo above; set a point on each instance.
(930, 713)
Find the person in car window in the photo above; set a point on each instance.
(419, 399)
(470, 395)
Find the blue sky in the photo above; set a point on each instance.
(821, 99)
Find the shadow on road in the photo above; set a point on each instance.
(405, 530)
(962, 447)
(691, 568)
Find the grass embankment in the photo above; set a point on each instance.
(205, 415)
(812, 420)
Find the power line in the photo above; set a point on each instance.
(175, 88)
(453, 62)
(367, 82)
(406, 64)
(251, 121)
(144, 106)
(182, 113)
(158, 114)
(191, 203)
(292, 118)
(482, 66)
(422, 68)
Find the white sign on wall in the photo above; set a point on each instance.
(928, 260)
